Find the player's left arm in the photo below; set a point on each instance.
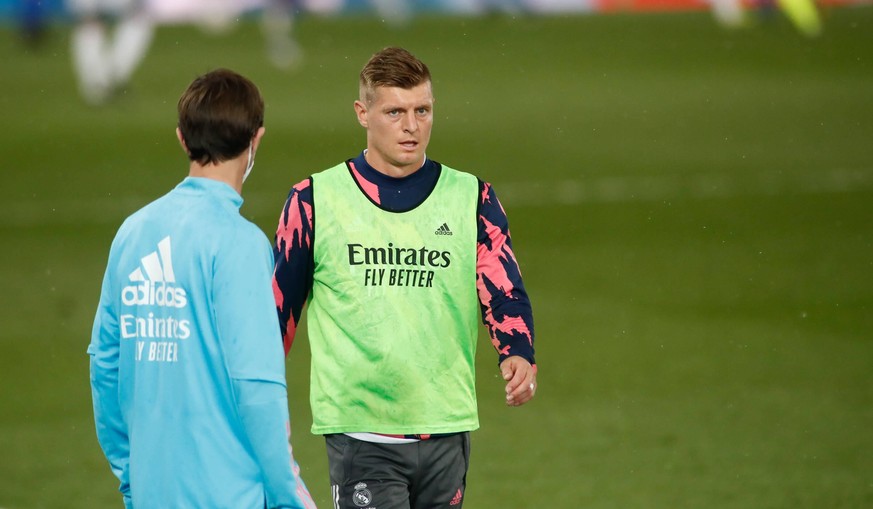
(506, 308)
(104, 351)
(250, 341)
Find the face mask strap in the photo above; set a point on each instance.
(251, 162)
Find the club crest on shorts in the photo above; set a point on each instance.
(362, 496)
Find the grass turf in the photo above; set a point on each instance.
(691, 208)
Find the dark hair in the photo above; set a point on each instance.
(219, 114)
(392, 67)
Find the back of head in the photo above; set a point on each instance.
(219, 114)
(392, 67)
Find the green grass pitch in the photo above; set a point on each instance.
(692, 208)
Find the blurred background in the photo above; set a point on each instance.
(689, 187)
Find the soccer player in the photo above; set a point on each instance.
(394, 253)
(109, 40)
(277, 25)
(187, 368)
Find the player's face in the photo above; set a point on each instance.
(398, 123)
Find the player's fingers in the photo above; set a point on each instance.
(506, 371)
(523, 396)
(516, 382)
(523, 392)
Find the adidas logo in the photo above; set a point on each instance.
(457, 498)
(443, 230)
(153, 287)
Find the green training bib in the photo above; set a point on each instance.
(393, 310)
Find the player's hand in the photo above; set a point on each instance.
(521, 380)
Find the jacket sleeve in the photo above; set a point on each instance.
(292, 253)
(250, 338)
(506, 308)
(108, 419)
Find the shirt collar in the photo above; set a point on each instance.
(202, 185)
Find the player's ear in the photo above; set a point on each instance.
(361, 112)
(182, 141)
(257, 138)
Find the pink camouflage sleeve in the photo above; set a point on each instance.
(293, 255)
(506, 309)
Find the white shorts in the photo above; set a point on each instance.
(102, 7)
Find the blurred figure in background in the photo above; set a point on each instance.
(32, 22)
(109, 41)
(803, 14)
(277, 23)
(728, 13)
(394, 12)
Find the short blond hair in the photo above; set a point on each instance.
(391, 67)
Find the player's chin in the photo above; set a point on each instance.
(410, 152)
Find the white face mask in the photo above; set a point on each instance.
(250, 164)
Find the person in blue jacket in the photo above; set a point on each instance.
(187, 366)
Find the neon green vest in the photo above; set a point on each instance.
(393, 310)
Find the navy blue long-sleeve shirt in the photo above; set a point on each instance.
(506, 308)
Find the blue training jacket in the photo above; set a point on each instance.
(187, 366)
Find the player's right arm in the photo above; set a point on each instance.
(292, 254)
